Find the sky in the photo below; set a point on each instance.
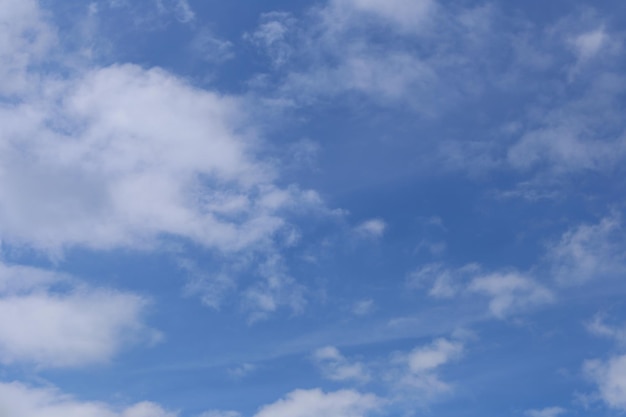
(332, 208)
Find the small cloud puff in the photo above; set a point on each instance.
(546, 412)
(373, 228)
(589, 44)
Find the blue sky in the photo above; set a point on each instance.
(340, 208)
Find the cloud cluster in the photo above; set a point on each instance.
(51, 320)
(315, 402)
(20, 400)
(509, 292)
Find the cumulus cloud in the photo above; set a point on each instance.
(431, 357)
(415, 379)
(510, 292)
(20, 400)
(337, 367)
(124, 156)
(139, 154)
(315, 403)
(610, 377)
(589, 251)
(51, 320)
(372, 228)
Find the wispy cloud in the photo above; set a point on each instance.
(337, 367)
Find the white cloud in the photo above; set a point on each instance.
(337, 367)
(566, 146)
(428, 358)
(590, 43)
(546, 412)
(123, 156)
(510, 292)
(20, 400)
(415, 379)
(137, 153)
(51, 320)
(276, 289)
(443, 282)
(599, 327)
(610, 376)
(25, 40)
(589, 251)
(272, 36)
(316, 403)
(373, 228)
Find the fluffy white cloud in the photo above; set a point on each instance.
(315, 403)
(510, 292)
(51, 320)
(414, 377)
(123, 156)
(428, 358)
(337, 367)
(20, 400)
(610, 376)
(372, 228)
(589, 251)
